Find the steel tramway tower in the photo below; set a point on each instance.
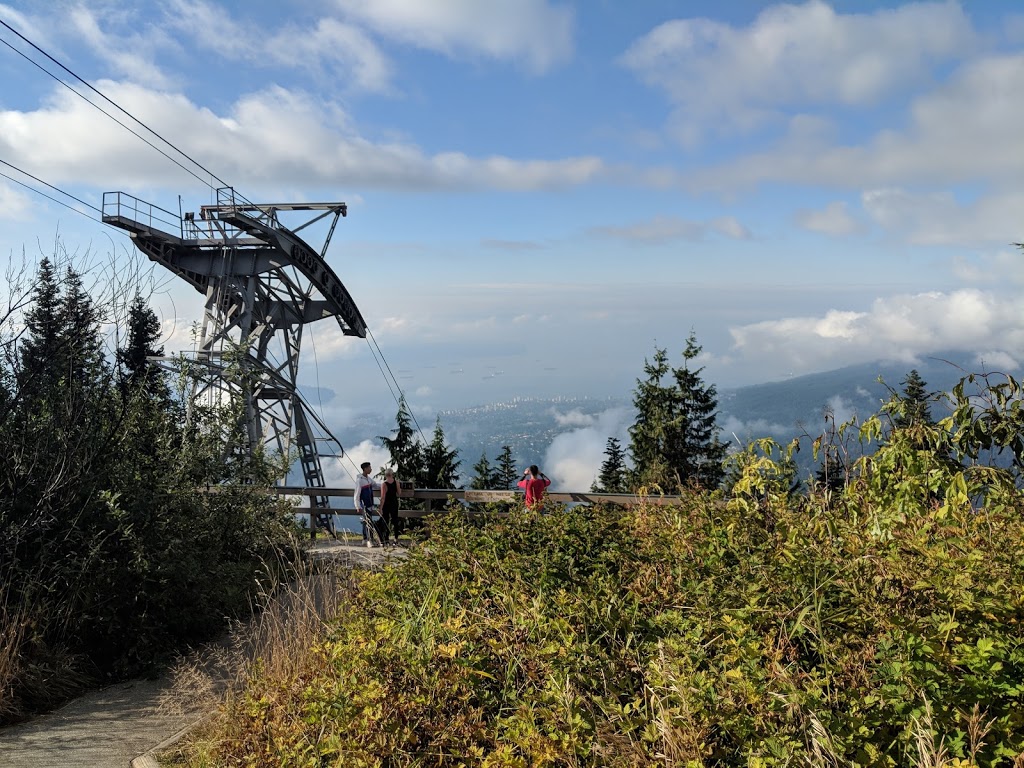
(263, 284)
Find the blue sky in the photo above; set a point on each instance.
(540, 192)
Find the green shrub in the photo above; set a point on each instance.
(702, 633)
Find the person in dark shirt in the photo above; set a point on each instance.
(389, 508)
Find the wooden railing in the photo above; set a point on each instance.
(468, 495)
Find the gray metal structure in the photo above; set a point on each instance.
(263, 284)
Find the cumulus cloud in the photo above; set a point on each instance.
(901, 327)
(341, 472)
(67, 141)
(721, 76)
(574, 458)
(533, 32)
(833, 220)
(997, 360)
(665, 229)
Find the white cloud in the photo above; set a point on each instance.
(998, 268)
(338, 51)
(67, 141)
(722, 77)
(997, 360)
(833, 220)
(531, 31)
(15, 204)
(665, 229)
(901, 327)
(329, 343)
(842, 409)
(939, 218)
(129, 56)
(729, 226)
(739, 433)
(341, 472)
(574, 418)
(964, 131)
(574, 458)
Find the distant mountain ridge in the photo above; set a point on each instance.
(780, 409)
(799, 403)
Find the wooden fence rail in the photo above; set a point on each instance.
(460, 494)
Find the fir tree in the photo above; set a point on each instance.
(912, 404)
(39, 349)
(405, 450)
(612, 477)
(137, 369)
(485, 476)
(674, 440)
(441, 461)
(506, 475)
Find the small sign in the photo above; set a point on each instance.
(485, 496)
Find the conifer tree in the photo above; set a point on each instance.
(404, 447)
(612, 477)
(674, 440)
(506, 476)
(485, 476)
(913, 403)
(441, 461)
(40, 346)
(137, 370)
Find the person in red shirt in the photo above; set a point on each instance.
(534, 482)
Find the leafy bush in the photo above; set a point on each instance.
(703, 633)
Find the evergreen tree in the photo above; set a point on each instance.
(612, 477)
(39, 348)
(485, 476)
(506, 476)
(912, 404)
(406, 451)
(441, 461)
(137, 370)
(440, 465)
(674, 439)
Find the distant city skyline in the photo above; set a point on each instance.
(540, 193)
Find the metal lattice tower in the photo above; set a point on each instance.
(263, 284)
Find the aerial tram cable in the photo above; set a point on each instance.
(181, 152)
(117, 106)
(55, 189)
(104, 112)
(398, 386)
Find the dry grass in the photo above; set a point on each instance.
(13, 621)
(291, 616)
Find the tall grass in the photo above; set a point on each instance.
(292, 609)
